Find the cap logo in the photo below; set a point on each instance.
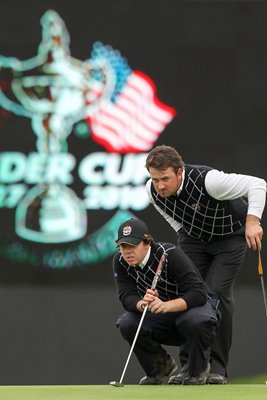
(127, 230)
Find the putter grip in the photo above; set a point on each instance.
(260, 269)
(162, 262)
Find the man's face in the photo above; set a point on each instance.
(167, 181)
(134, 255)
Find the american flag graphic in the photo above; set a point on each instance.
(133, 118)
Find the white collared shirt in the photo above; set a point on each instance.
(145, 260)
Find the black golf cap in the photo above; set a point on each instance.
(132, 232)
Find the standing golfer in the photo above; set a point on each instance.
(216, 216)
(178, 310)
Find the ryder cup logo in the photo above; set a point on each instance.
(127, 230)
(57, 92)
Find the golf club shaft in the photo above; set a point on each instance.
(260, 271)
(264, 296)
(133, 344)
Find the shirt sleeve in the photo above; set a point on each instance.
(223, 186)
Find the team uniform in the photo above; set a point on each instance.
(196, 327)
(209, 214)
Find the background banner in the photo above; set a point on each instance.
(87, 88)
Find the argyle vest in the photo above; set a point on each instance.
(200, 215)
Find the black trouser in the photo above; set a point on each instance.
(195, 327)
(219, 263)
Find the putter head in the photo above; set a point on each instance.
(117, 384)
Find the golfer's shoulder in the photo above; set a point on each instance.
(173, 252)
(166, 247)
(197, 172)
(117, 258)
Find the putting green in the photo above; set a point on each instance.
(135, 392)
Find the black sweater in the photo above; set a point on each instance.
(179, 278)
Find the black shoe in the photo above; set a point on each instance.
(195, 380)
(214, 378)
(150, 380)
(179, 379)
(170, 367)
(201, 379)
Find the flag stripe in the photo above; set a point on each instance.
(124, 122)
(139, 91)
(106, 133)
(126, 131)
(135, 120)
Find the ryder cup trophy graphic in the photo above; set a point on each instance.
(55, 91)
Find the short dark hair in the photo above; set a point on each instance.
(163, 157)
(149, 240)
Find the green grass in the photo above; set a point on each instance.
(253, 379)
(135, 392)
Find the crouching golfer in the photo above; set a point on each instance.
(179, 310)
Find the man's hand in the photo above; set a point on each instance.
(253, 233)
(155, 305)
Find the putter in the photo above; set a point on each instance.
(260, 271)
(153, 287)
